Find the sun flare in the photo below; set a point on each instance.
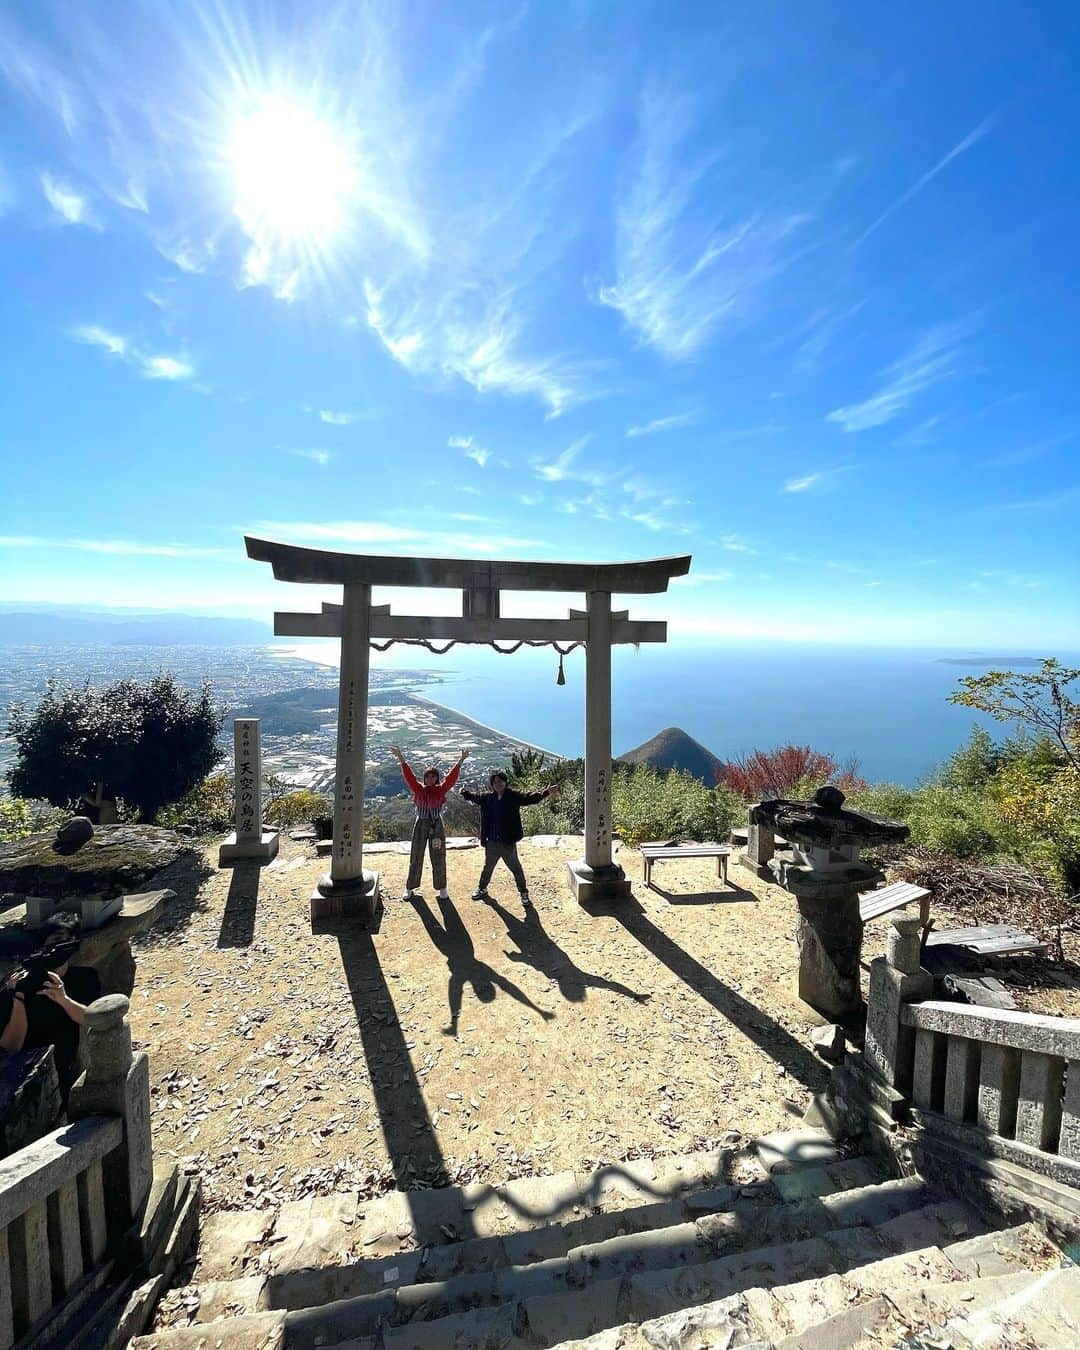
(292, 175)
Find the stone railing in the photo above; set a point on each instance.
(1015, 1075)
(68, 1199)
(1008, 1080)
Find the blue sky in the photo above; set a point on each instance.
(790, 287)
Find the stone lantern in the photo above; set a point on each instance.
(825, 874)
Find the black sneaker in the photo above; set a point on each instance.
(480, 894)
(526, 900)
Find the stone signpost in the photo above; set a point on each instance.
(249, 842)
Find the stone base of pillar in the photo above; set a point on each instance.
(759, 869)
(248, 850)
(357, 900)
(597, 883)
(830, 946)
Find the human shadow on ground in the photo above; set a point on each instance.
(776, 1041)
(544, 954)
(453, 940)
(411, 1141)
(238, 917)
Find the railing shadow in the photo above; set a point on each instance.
(537, 949)
(777, 1042)
(238, 918)
(452, 939)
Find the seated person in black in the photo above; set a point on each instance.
(500, 830)
(52, 1016)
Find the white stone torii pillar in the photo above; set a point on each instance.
(347, 889)
(596, 877)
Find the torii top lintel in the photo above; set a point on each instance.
(324, 567)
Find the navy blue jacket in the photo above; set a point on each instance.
(500, 817)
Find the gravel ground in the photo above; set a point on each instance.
(464, 1041)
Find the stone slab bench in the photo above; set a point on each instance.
(874, 904)
(995, 939)
(653, 853)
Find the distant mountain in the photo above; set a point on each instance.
(672, 748)
(32, 627)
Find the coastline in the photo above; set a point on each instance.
(483, 726)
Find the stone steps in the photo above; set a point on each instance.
(296, 1247)
(881, 1304)
(637, 1278)
(667, 1252)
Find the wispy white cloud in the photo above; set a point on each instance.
(96, 336)
(931, 360)
(1050, 501)
(681, 269)
(151, 366)
(477, 453)
(819, 333)
(166, 368)
(186, 254)
(316, 456)
(703, 578)
(672, 423)
(375, 534)
(1025, 454)
(564, 467)
(117, 547)
(971, 139)
(482, 349)
(71, 206)
(732, 543)
(817, 481)
(337, 419)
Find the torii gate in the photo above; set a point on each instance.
(347, 889)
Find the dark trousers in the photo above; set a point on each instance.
(507, 853)
(427, 834)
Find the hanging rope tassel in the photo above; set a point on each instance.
(561, 677)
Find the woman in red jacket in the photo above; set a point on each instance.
(428, 833)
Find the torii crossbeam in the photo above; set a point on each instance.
(347, 889)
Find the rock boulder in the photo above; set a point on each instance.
(114, 860)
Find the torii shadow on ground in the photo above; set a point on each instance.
(753, 1021)
(411, 1141)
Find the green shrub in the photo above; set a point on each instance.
(647, 804)
(20, 818)
(297, 808)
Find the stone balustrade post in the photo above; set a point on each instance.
(116, 1082)
(895, 979)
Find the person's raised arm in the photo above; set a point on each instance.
(452, 777)
(411, 780)
(532, 798)
(53, 989)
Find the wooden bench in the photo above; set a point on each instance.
(874, 904)
(652, 853)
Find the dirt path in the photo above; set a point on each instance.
(464, 1040)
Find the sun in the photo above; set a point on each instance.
(292, 175)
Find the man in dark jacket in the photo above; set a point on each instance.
(500, 830)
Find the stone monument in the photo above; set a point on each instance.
(249, 841)
(825, 874)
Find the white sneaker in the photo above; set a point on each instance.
(444, 894)
(406, 894)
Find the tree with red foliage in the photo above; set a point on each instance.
(778, 773)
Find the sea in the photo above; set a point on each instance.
(887, 709)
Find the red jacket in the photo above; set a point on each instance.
(430, 801)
